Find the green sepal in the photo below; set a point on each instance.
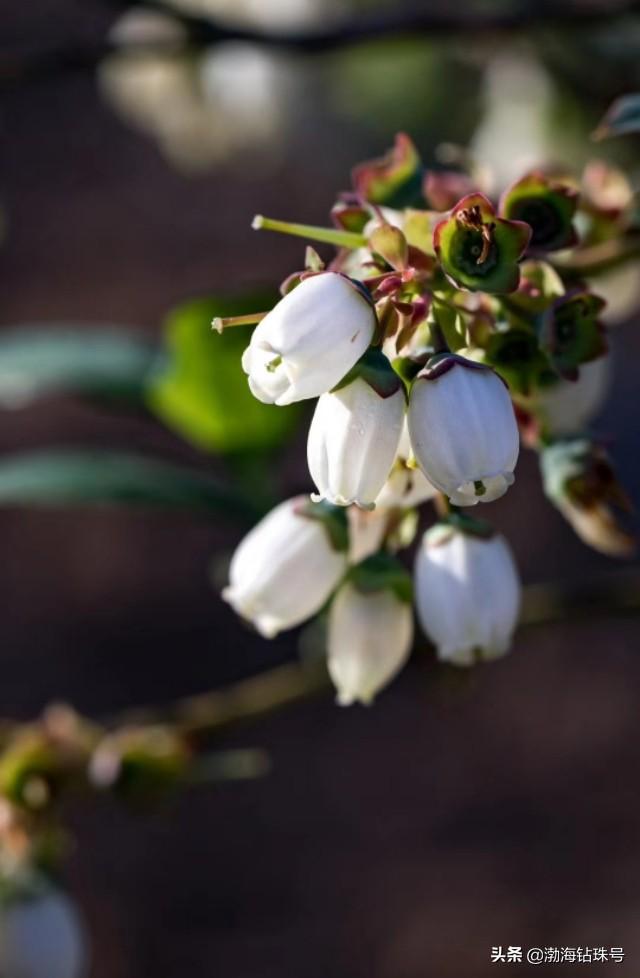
(571, 333)
(381, 572)
(394, 180)
(418, 228)
(375, 369)
(451, 323)
(479, 251)
(440, 363)
(350, 217)
(390, 243)
(333, 518)
(408, 368)
(312, 260)
(548, 206)
(540, 286)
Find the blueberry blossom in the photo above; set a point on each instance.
(355, 431)
(467, 591)
(309, 340)
(287, 566)
(370, 629)
(463, 429)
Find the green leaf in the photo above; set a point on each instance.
(623, 116)
(71, 477)
(36, 361)
(203, 394)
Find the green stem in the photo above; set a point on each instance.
(342, 239)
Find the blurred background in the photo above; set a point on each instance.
(394, 842)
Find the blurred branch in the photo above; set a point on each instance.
(143, 755)
(253, 698)
(201, 32)
(249, 699)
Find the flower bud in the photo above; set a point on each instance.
(355, 432)
(41, 936)
(309, 340)
(579, 479)
(467, 592)
(140, 763)
(463, 430)
(370, 633)
(407, 485)
(287, 566)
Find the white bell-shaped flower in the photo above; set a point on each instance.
(354, 434)
(407, 485)
(467, 594)
(566, 406)
(309, 340)
(287, 566)
(41, 936)
(463, 430)
(370, 635)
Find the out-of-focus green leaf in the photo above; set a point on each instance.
(623, 116)
(71, 477)
(203, 393)
(94, 361)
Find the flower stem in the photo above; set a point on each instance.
(342, 239)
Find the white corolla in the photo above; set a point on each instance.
(310, 339)
(355, 432)
(370, 638)
(467, 594)
(286, 567)
(463, 430)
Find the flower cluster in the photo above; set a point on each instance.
(446, 328)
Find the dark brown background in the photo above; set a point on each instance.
(396, 842)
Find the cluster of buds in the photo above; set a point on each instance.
(447, 328)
